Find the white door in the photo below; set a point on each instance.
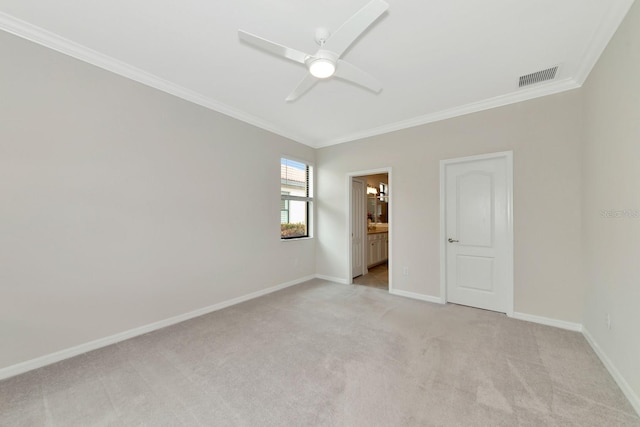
(358, 226)
(478, 232)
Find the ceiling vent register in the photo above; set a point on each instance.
(538, 76)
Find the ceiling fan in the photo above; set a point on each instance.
(326, 61)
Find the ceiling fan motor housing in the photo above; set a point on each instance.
(322, 35)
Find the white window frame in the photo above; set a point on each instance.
(308, 199)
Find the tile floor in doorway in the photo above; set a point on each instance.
(378, 277)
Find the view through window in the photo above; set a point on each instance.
(296, 197)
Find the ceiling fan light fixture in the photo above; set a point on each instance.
(322, 68)
(323, 64)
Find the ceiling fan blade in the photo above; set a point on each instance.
(307, 83)
(269, 46)
(351, 30)
(349, 72)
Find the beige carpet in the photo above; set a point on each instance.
(327, 354)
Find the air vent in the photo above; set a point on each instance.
(538, 76)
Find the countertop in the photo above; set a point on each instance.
(377, 231)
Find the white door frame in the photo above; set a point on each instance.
(351, 175)
(508, 156)
(363, 225)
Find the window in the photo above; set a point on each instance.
(383, 192)
(284, 208)
(296, 198)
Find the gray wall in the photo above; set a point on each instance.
(611, 182)
(576, 160)
(122, 205)
(544, 135)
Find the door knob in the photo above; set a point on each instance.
(452, 240)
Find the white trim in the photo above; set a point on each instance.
(332, 279)
(48, 359)
(296, 239)
(60, 44)
(413, 295)
(600, 39)
(510, 240)
(474, 107)
(350, 175)
(311, 229)
(296, 198)
(630, 394)
(363, 222)
(508, 156)
(562, 324)
(598, 43)
(299, 160)
(443, 247)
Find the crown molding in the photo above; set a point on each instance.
(537, 91)
(596, 46)
(601, 38)
(67, 47)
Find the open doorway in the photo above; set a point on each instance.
(369, 229)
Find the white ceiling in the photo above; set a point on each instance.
(435, 59)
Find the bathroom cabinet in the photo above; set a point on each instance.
(377, 248)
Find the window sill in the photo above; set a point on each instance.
(297, 239)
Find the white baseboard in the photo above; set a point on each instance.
(413, 295)
(562, 324)
(633, 398)
(332, 279)
(48, 359)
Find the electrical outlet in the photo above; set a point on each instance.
(608, 320)
(405, 271)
